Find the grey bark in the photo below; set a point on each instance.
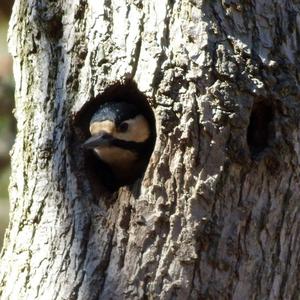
(217, 216)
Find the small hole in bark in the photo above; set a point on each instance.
(100, 175)
(259, 131)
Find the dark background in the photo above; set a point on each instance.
(7, 122)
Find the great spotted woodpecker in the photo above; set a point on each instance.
(121, 138)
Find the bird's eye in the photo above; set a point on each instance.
(123, 127)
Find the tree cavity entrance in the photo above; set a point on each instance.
(99, 174)
(260, 131)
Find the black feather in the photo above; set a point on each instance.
(116, 112)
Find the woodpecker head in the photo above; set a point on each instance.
(119, 137)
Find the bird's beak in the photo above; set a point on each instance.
(102, 139)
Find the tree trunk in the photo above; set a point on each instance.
(217, 213)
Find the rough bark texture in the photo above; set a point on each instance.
(217, 216)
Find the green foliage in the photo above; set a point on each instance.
(4, 179)
(3, 36)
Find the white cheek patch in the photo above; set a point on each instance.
(138, 130)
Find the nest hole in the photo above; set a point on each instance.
(260, 130)
(97, 172)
